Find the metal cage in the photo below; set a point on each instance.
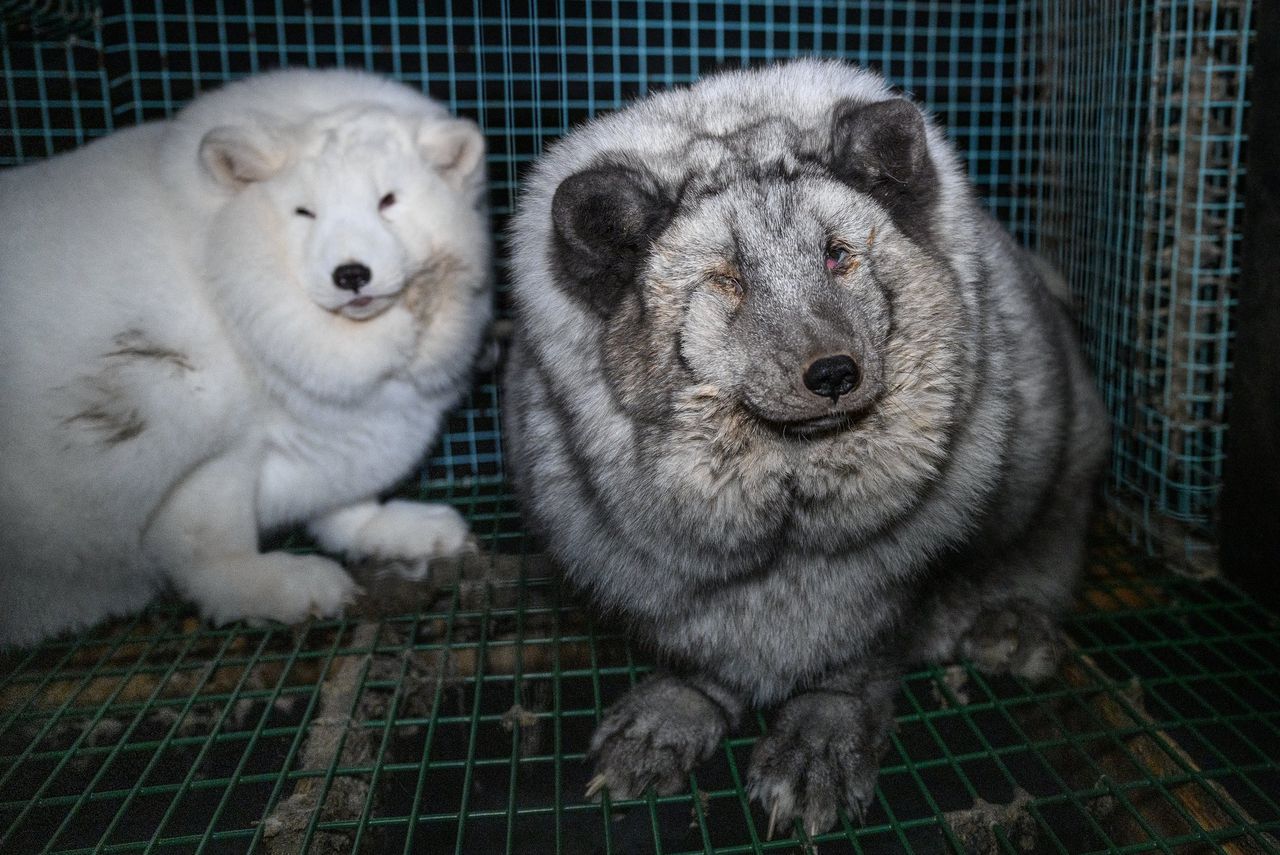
(1107, 135)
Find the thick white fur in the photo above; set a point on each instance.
(179, 372)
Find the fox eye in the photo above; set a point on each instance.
(305, 212)
(839, 258)
(386, 201)
(728, 283)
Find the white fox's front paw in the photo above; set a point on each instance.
(396, 530)
(275, 586)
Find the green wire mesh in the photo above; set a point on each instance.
(453, 718)
(457, 720)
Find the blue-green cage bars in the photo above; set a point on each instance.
(1109, 136)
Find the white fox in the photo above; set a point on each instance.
(252, 315)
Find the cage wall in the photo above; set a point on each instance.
(1133, 167)
(1107, 135)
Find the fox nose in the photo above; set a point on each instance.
(351, 277)
(832, 376)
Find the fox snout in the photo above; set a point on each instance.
(832, 376)
(352, 276)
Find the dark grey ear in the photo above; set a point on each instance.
(881, 149)
(604, 219)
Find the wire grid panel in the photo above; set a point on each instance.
(54, 95)
(1107, 135)
(530, 72)
(1135, 133)
(527, 73)
(456, 721)
(468, 718)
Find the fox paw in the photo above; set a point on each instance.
(275, 586)
(822, 754)
(1014, 638)
(654, 736)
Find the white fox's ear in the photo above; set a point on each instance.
(237, 155)
(454, 147)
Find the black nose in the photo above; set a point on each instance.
(832, 376)
(351, 277)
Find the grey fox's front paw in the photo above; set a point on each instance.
(654, 736)
(1018, 638)
(822, 754)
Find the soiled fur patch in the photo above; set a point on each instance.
(434, 281)
(111, 414)
(109, 411)
(133, 344)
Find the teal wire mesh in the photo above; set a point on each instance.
(1107, 135)
(1134, 154)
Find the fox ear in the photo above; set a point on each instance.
(238, 155)
(603, 220)
(882, 149)
(455, 147)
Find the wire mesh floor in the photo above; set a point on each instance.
(453, 716)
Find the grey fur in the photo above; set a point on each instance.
(678, 266)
